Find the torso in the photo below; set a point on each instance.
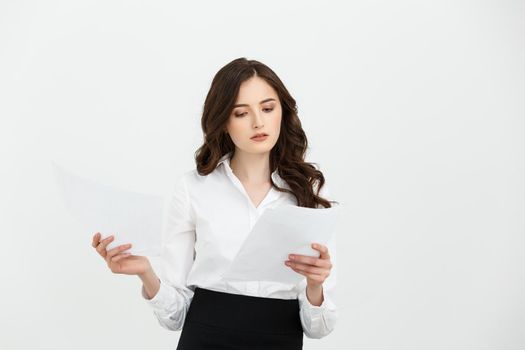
(257, 192)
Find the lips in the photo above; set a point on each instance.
(259, 134)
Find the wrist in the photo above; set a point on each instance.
(150, 283)
(147, 275)
(313, 286)
(314, 294)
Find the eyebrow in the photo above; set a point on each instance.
(245, 105)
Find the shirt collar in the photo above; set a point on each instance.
(277, 179)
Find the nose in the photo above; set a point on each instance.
(258, 122)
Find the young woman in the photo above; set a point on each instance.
(252, 159)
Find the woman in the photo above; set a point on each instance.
(252, 159)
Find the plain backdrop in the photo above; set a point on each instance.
(414, 111)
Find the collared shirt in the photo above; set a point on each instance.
(207, 221)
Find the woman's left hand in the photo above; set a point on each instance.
(315, 269)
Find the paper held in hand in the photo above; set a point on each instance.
(131, 217)
(281, 231)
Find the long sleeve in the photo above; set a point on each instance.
(319, 321)
(170, 304)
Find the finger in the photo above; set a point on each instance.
(322, 249)
(96, 238)
(308, 268)
(117, 250)
(120, 256)
(301, 272)
(101, 247)
(310, 260)
(317, 278)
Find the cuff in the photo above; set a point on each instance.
(162, 300)
(317, 321)
(315, 310)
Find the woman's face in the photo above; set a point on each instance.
(257, 110)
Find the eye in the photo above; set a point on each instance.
(269, 109)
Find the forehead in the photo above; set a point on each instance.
(254, 90)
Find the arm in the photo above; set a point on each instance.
(318, 311)
(319, 319)
(151, 284)
(168, 294)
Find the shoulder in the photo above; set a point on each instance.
(191, 179)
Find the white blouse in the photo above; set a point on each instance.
(208, 219)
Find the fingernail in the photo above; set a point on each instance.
(292, 257)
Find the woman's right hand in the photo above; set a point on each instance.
(118, 260)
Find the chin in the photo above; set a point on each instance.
(256, 150)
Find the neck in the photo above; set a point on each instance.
(251, 168)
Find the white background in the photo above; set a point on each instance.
(414, 111)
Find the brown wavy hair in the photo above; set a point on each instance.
(287, 156)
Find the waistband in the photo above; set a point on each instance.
(244, 312)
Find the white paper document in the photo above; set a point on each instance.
(281, 231)
(131, 217)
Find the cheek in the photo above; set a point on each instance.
(276, 123)
(236, 128)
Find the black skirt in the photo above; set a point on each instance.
(218, 320)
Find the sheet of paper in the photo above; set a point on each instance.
(281, 231)
(131, 217)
